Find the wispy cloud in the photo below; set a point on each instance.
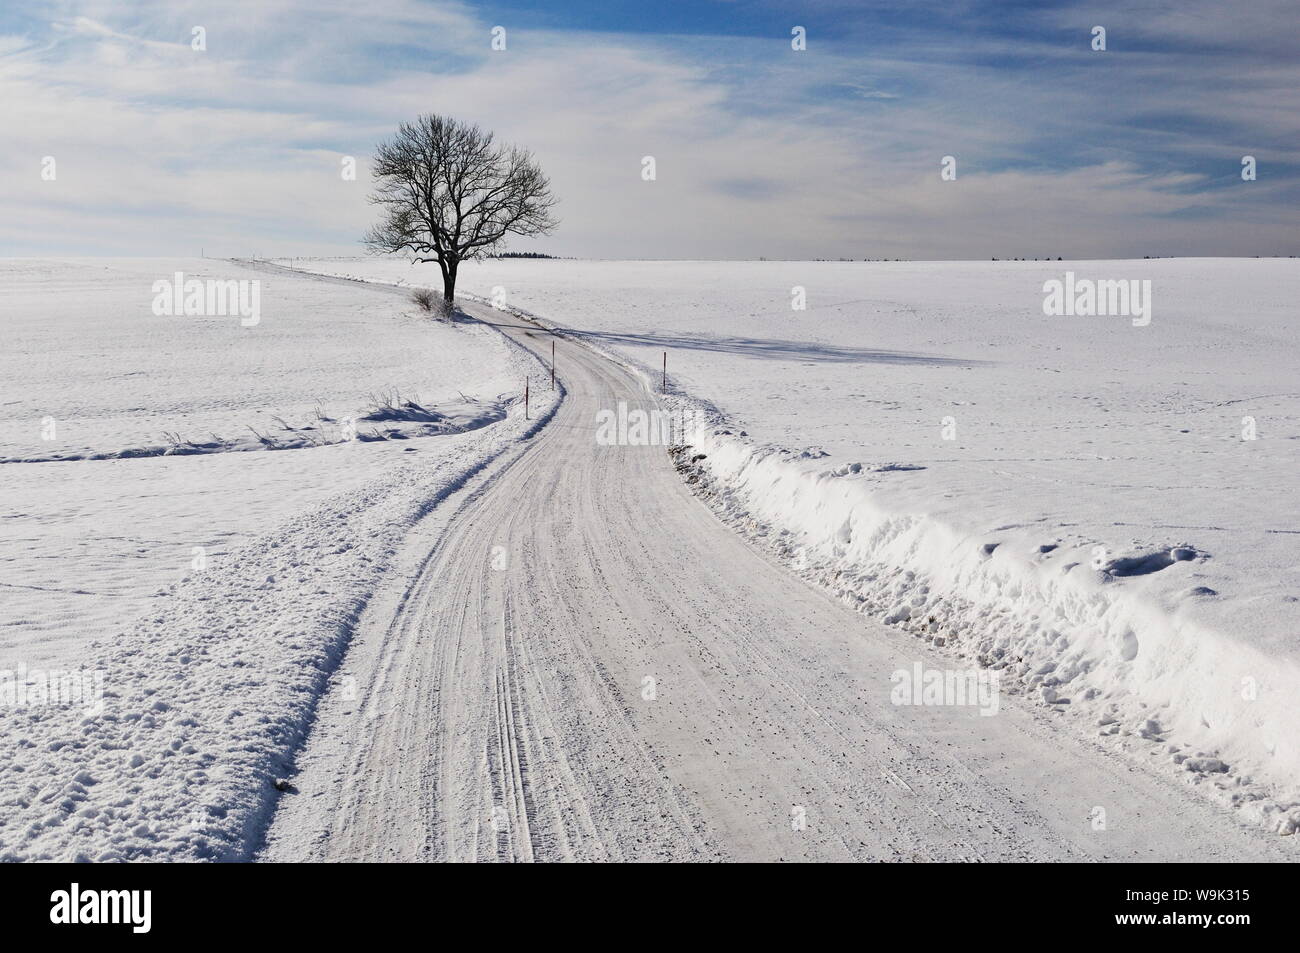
(760, 150)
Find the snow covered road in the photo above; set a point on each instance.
(578, 661)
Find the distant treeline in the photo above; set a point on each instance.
(522, 254)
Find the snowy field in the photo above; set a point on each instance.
(90, 371)
(1103, 507)
(176, 560)
(197, 511)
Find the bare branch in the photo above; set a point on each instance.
(447, 192)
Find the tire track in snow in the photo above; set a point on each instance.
(770, 696)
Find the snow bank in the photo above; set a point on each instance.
(388, 417)
(1104, 633)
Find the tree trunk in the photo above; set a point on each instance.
(449, 283)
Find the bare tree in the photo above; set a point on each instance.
(450, 193)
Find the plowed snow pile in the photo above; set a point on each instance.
(1104, 508)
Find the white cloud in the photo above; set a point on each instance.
(759, 151)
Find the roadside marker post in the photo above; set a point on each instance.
(552, 364)
(665, 385)
(526, 398)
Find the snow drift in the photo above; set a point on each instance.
(1105, 634)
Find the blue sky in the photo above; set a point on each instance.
(760, 150)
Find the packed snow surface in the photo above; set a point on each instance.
(1104, 507)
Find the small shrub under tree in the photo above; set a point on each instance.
(429, 300)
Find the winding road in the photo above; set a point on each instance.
(577, 661)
